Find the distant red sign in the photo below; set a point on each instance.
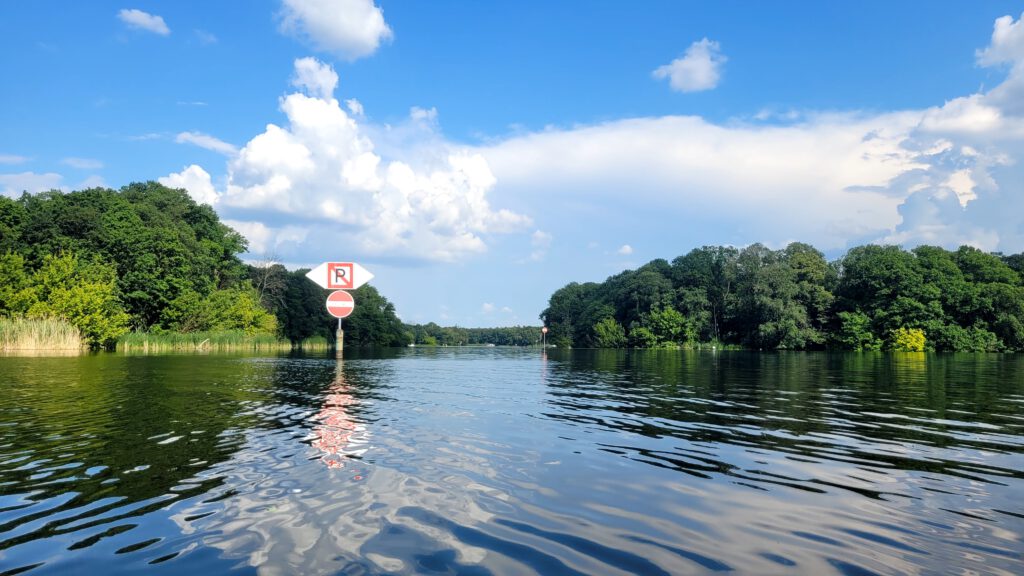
(340, 304)
(544, 329)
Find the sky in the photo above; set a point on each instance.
(477, 156)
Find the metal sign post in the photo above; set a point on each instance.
(340, 304)
(339, 339)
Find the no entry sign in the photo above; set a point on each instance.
(340, 304)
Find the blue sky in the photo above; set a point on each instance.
(476, 156)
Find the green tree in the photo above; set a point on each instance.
(642, 337)
(565, 307)
(236, 308)
(669, 326)
(82, 292)
(373, 321)
(609, 334)
(16, 293)
(855, 332)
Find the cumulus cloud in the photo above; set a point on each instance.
(817, 180)
(350, 29)
(971, 190)
(206, 141)
(12, 185)
(949, 175)
(322, 171)
(140, 20)
(624, 250)
(194, 180)
(267, 240)
(315, 78)
(487, 308)
(700, 68)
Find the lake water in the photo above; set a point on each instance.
(501, 461)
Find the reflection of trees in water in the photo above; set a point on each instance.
(844, 407)
(104, 439)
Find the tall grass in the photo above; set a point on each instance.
(315, 343)
(233, 340)
(38, 334)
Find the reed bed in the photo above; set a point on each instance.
(315, 343)
(226, 341)
(31, 334)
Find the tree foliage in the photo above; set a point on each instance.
(147, 257)
(962, 300)
(82, 292)
(432, 334)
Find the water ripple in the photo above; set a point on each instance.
(501, 461)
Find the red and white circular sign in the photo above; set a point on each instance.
(544, 329)
(340, 304)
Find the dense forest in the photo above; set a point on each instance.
(874, 297)
(148, 258)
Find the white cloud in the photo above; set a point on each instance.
(206, 141)
(195, 181)
(428, 115)
(816, 180)
(971, 190)
(949, 175)
(624, 250)
(541, 242)
(13, 159)
(264, 239)
(350, 29)
(93, 181)
(355, 107)
(1007, 45)
(315, 78)
(323, 172)
(140, 20)
(13, 185)
(540, 239)
(487, 308)
(82, 163)
(699, 69)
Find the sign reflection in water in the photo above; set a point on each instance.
(338, 436)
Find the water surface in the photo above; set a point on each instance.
(501, 461)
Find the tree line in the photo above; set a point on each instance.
(148, 258)
(874, 297)
(432, 334)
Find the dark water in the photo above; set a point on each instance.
(490, 461)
